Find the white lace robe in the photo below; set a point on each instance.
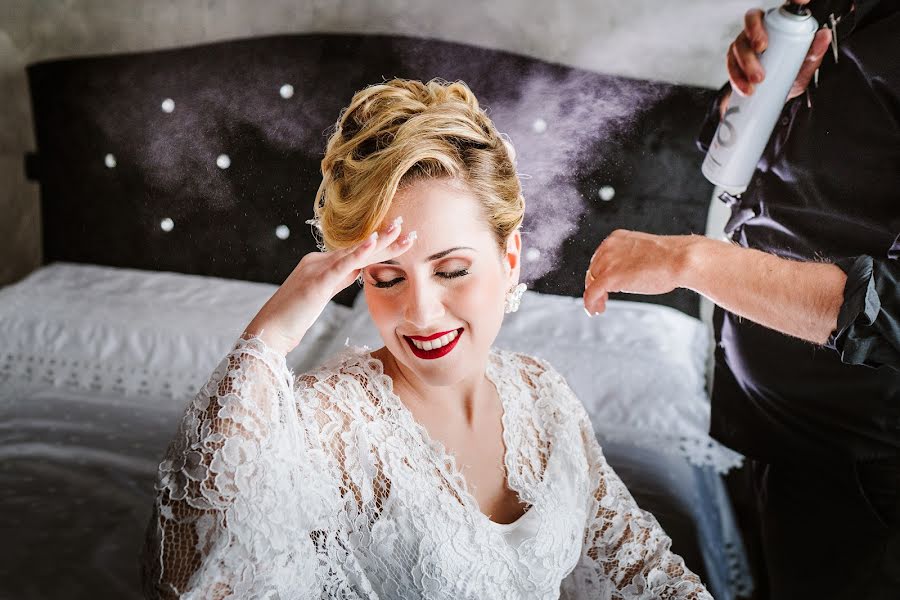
(324, 486)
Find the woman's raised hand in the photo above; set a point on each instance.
(286, 317)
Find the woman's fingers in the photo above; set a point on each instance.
(400, 245)
(395, 244)
(378, 247)
(352, 259)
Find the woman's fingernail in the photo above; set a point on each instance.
(394, 224)
(411, 236)
(373, 237)
(587, 312)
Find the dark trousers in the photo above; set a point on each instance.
(830, 533)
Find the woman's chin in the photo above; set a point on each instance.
(445, 371)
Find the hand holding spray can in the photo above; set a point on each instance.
(748, 121)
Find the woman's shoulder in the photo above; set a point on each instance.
(349, 359)
(539, 377)
(343, 379)
(346, 356)
(546, 402)
(535, 371)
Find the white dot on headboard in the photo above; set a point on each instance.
(168, 105)
(223, 161)
(532, 254)
(167, 224)
(110, 161)
(539, 125)
(286, 91)
(607, 193)
(282, 232)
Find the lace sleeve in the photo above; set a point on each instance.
(626, 552)
(230, 520)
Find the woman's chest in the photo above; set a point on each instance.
(428, 528)
(479, 455)
(441, 544)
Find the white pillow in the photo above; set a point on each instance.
(131, 331)
(639, 368)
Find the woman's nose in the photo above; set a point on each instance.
(424, 305)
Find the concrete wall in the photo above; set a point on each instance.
(682, 42)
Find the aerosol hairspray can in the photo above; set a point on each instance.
(748, 122)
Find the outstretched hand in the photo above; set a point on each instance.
(319, 276)
(636, 263)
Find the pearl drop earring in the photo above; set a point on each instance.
(514, 297)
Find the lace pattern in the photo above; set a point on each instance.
(323, 485)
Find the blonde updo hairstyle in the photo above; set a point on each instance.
(401, 131)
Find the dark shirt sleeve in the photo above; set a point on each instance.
(868, 326)
(711, 121)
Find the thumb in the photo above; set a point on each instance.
(813, 59)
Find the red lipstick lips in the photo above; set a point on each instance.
(437, 352)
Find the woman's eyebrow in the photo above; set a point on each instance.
(437, 256)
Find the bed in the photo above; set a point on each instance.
(175, 189)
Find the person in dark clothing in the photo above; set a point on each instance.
(807, 322)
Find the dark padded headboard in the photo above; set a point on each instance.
(114, 163)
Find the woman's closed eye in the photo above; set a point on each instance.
(441, 274)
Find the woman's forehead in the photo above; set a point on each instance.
(442, 209)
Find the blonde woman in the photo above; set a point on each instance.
(433, 467)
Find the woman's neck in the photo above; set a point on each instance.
(463, 402)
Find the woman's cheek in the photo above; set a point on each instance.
(475, 300)
(381, 310)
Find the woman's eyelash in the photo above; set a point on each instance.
(386, 284)
(453, 274)
(445, 275)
